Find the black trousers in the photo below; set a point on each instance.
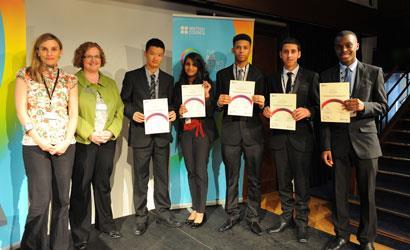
(93, 165)
(231, 156)
(292, 164)
(196, 152)
(142, 158)
(48, 179)
(366, 170)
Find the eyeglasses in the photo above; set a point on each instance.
(89, 57)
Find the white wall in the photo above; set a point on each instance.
(121, 27)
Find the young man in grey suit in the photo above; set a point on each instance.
(354, 144)
(292, 150)
(241, 135)
(149, 82)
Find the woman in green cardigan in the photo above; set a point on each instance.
(100, 117)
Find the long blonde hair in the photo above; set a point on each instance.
(36, 65)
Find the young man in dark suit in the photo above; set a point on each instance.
(241, 135)
(149, 82)
(354, 144)
(292, 150)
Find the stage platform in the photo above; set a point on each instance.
(207, 237)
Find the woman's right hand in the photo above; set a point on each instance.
(97, 138)
(45, 146)
(182, 110)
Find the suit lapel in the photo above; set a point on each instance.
(357, 81)
(160, 84)
(142, 78)
(298, 80)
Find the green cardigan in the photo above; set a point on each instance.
(87, 95)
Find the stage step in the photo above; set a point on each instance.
(394, 164)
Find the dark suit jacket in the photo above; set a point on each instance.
(306, 86)
(361, 132)
(135, 88)
(236, 128)
(208, 122)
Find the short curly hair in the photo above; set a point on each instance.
(79, 54)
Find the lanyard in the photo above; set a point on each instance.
(50, 95)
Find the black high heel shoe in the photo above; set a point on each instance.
(197, 225)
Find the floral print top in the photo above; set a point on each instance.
(48, 116)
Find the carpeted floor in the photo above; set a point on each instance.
(206, 237)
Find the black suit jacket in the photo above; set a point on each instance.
(306, 87)
(236, 128)
(208, 121)
(135, 89)
(361, 132)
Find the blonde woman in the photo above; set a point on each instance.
(46, 104)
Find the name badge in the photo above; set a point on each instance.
(101, 106)
(51, 116)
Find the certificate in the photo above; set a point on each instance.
(156, 116)
(241, 93)
(332, 96)
(282, 106)
(193, 97)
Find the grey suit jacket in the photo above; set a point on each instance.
(361, 132)
(135, 89)
(306, 87)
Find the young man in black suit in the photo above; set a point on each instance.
(292, 150)
(354, 144)
(149, 82)
(241, 135)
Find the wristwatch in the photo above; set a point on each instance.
(27, 127)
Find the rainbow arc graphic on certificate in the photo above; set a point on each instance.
(282, 107)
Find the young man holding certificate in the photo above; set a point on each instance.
(292, 149)
(356, 143)
(241, 134)
(140, 86)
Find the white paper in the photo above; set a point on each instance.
(332, 95)
(156, 116)
(193, 97)
(282, 106)
(241, 93)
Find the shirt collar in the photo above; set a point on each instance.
(84, 81)
(294, 71)
(156, 73)
(352, 66)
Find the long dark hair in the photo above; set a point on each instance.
(201, 75)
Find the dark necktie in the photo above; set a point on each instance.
(152, 86)
(289, 82)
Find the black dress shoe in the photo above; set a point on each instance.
(368, 246)
(196, 225)
(336, 244)
(169, 221)
(81, 246)
(189, 222)
(228, 225)
(140, 229)
(256, 228)
(282, 226)
(114, 234)
(302, 234)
